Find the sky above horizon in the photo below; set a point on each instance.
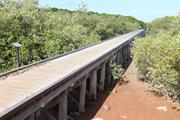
(145, 10)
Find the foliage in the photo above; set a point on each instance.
(116, 70)
(45, 32)
(164, 24)
(158, 57)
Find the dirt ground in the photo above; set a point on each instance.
(131, 101)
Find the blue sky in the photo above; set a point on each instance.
(146, 10)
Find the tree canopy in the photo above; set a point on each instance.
(45, 32)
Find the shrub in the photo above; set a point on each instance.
(158, 60)
(116, 70)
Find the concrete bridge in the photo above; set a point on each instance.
(43, 91)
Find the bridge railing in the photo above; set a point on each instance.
(25, 68)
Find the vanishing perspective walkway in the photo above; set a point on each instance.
(32, 94)
(131, 101)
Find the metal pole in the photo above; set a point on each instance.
(17, 45)
(17, 57)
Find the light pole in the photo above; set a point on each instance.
(17, 45)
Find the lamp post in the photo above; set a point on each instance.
(17, 45)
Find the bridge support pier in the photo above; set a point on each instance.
(124, 57)
(108, 73)
(121, 58)
(127, 55)
(118, 57)
(93, 85)
(102, 76)
(62, 107)
(82, 98)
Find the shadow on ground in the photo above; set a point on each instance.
(92, 107)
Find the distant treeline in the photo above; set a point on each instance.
(158, 56)
(45, 32)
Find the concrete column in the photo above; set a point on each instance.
(82, 98)
(121, 57)
(102, 77)
(62, 107)
(108, 73)
(118, 57)
(127, 54)
(37, 114)
(93, 85)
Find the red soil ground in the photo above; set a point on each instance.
(132, 101)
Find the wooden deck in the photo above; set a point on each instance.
(21, 90)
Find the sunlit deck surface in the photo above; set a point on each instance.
(16, 90)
